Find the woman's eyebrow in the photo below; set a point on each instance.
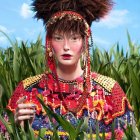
(57, 34)
(75, 34)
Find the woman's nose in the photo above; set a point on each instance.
(66, 45)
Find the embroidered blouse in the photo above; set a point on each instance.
(106, 103)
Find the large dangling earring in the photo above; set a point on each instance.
(87, 71)
(49, 51)
(49, 55)
(83, 61)
(84, 55)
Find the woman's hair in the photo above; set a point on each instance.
(91, 10)
(65, 25)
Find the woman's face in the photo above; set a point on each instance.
(67, 48)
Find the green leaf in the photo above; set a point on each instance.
(28, 59)
(8, 127)
(28, 130)
(97, 130)
(42, 133)
(134, 81)
(84, 124)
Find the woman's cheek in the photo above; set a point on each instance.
(56, 47)
(78, 49)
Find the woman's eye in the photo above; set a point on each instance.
(75, 38)
(58, 38)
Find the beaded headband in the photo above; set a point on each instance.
(71, 15)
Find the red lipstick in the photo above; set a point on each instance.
(66, 56)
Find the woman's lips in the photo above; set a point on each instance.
(66, 56)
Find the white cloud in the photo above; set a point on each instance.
(25, 11)
(114, 19)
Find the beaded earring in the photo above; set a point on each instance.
(84, 55)
(49, 51)
(83, 61)
(49, 55)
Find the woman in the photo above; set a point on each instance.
(69, 88)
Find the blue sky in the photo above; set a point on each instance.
(16, 20)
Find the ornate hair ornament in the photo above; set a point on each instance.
(71, 16)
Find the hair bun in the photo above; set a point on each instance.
(91, 10)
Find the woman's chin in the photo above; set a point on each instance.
(67, 63)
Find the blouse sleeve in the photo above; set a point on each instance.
(19, 92)
(121, 113)
(120, 101)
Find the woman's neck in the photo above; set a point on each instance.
(69, 72)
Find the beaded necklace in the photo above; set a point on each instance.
(79, 82)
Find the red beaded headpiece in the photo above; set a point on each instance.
(71, 15)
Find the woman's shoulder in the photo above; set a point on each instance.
(28, 82)
(104, 81)
(24, 88)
